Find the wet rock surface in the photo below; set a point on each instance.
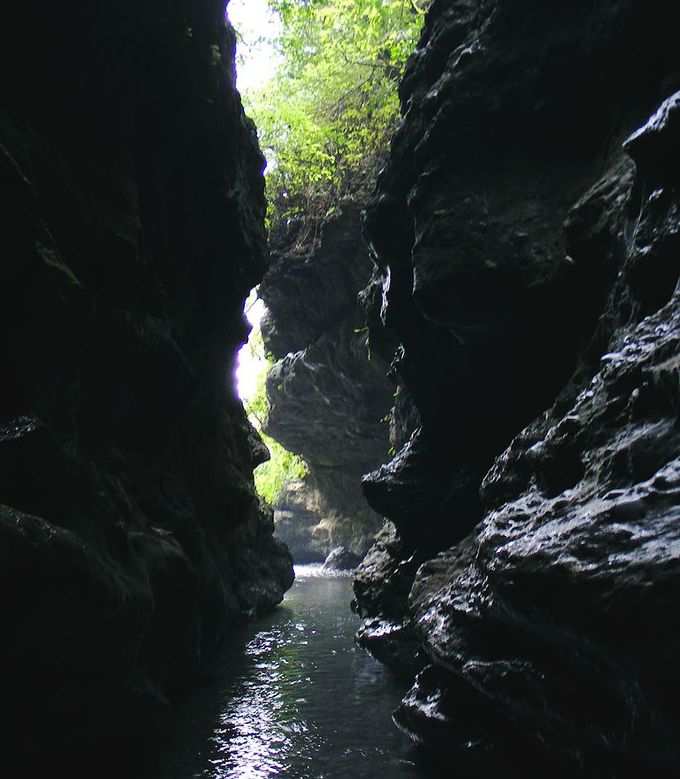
(341, 559)
(131, 538)
(564, 597)
(328, 393)
(525, 232)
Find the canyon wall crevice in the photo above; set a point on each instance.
(328, 393)
(528, 258)
(133, 206)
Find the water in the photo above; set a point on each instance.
(299, 700)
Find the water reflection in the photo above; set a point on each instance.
(264, 724)
(300, 701)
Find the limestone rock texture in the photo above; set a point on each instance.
(525, 232)
(131, 538)
(328, 393)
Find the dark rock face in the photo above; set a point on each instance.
(529, 261)
(328, 393)
(560, 604)
(130, 534)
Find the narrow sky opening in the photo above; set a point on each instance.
(257, 59)
(251, 360)
(258, 28)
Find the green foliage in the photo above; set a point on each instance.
(283, 466)
(326, 117)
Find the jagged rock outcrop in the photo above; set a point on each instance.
(328, 394)
(130, 534)
(528, 262)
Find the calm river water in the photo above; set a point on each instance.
(301, 702)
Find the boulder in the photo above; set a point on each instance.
(341, 559)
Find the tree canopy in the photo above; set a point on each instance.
(325, 118)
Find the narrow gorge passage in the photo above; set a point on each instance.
(295, 698)
(463, 220)
(310, 383)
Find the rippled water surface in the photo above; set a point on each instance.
(298, 700)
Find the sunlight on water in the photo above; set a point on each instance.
(300, 700)
(315, 570)
(260, 728)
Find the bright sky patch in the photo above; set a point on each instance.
(256, 56)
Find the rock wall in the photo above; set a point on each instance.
(328, 393)
(312, 526)
(528, 255)
(131, 539)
